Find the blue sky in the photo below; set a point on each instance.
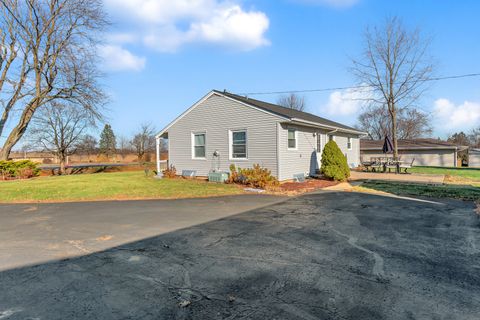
(162, 56)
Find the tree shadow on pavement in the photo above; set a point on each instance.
(329, 255)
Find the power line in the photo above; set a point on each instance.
(468, 75)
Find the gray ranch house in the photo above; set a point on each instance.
(224, 128)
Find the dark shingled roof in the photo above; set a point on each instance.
(410, 144)
(286, 112)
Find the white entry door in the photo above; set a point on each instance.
(319, 148)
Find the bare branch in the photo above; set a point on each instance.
(395, 65)
(52, 57)
(292, 101)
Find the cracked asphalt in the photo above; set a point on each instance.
(329, 255)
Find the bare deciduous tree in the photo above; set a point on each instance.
(375, 121)
(460, 138)
(395, 65)
(412, 124)
(475, 138)
(292, 101)
(60, 128)
(144, 141)
(88, 145)
(48, 53)
(124, 146)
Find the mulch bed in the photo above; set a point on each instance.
(308, 185)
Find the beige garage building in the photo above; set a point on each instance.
(474, 158)
(424, 152)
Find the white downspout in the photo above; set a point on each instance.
(330, 132)
(159, 171)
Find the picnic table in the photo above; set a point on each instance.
(381, 164)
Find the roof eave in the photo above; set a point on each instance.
(216, 92)
(324, 126)
(414, 148)
(205, 97)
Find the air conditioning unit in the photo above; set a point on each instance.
(219, 177)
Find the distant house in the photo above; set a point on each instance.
(38, 157)
(474, 158)
(223, 129)
(426, 152)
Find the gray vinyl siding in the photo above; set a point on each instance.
(304, 158)
(216, 116)
(474, 159)
(297, 161)
(430, 157)
(353, 155)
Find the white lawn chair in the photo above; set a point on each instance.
(406, 166)
(377, 167)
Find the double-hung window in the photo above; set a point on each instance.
(349, 143)
(292, 139)
(199, 145)
(238, 149)
(331, 137)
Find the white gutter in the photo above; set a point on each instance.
(324, 126)
(414, 148)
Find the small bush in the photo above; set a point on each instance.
(256, 177)
(23, 169)
(334, 163)
(170, 172)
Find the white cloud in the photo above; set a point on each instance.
(453, 117)
(116, 58)
(167, 25)
(122, 38)
(347, 102)
(331, 3)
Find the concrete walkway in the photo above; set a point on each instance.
(414, 178)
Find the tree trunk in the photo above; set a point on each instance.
(393, 114)
(17, 133)
(394, 136)
(62, 164)
(7, 146)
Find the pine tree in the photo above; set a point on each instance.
(107, 141)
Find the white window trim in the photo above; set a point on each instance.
(351, 143)
(193, 145)
(230, 144)
(296, 139)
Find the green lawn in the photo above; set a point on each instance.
(469, 173)
(108, 186)
(436, 191)
(453, 175)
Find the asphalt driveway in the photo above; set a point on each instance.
(36, 233)
(320, 256)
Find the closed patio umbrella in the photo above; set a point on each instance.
(387, 145)
(388, 148)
